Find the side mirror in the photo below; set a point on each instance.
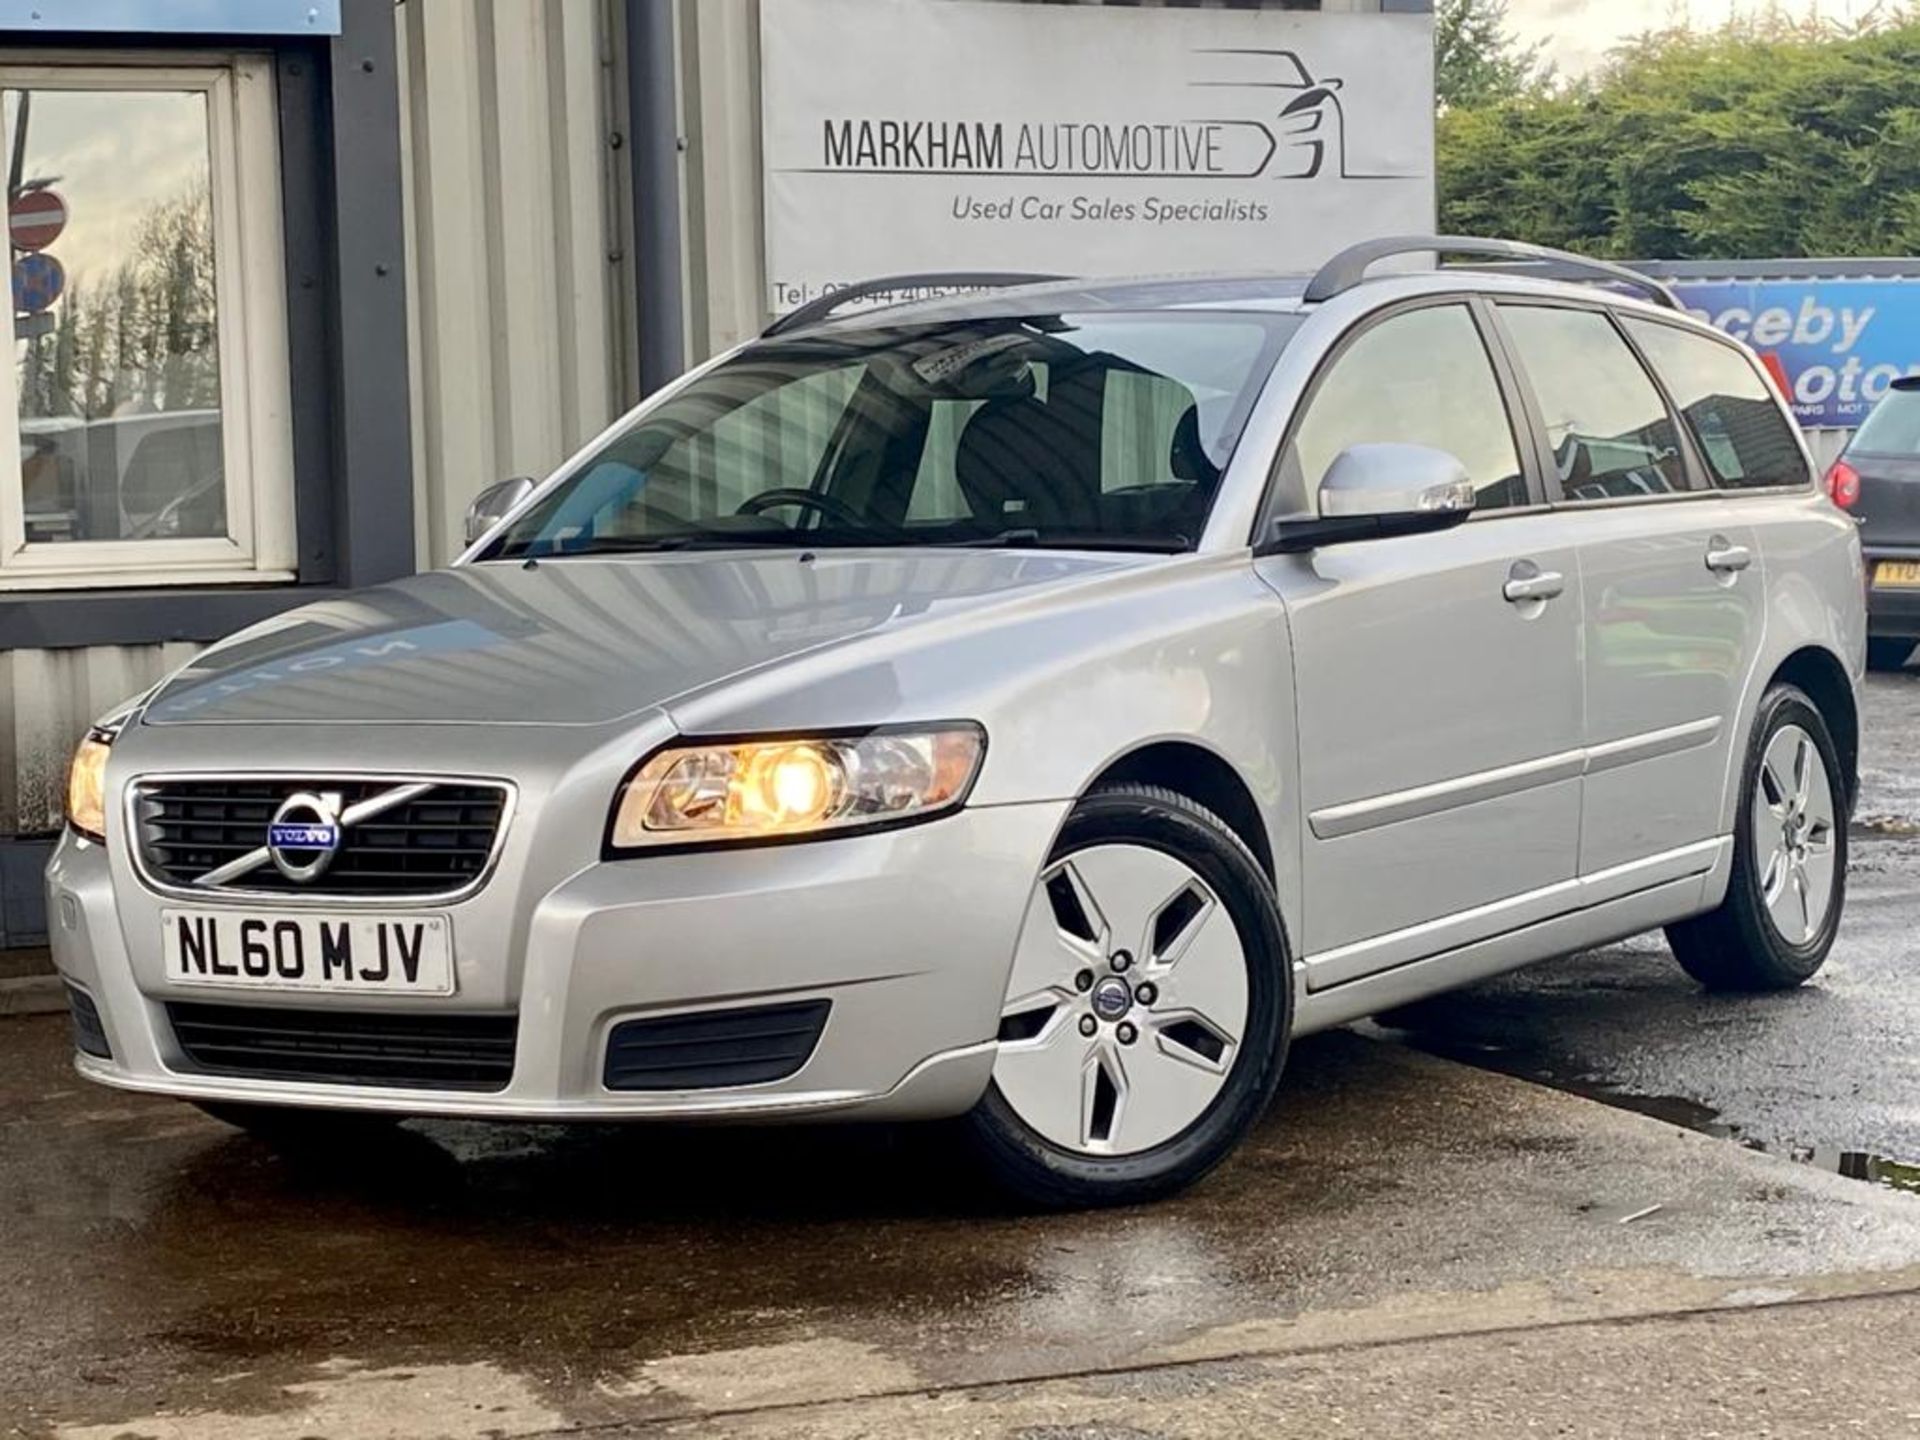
(1374, 491)
(491, 505)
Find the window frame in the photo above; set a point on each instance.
(251, 325)
(1696, 450)
(1694, 465)
(1273, 504)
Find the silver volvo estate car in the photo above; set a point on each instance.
(1034, 707)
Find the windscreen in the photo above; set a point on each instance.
(1893, 428)
(1097, 432)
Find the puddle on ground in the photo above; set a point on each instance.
(1858, 1165)
(1883, 827)
(1673, 1109)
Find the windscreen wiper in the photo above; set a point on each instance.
(1029, 538)
(1005, 540)
(657, 544)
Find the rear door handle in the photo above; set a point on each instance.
(1727, 558)
(1527, 581)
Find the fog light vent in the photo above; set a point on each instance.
(89, 1035)
(749, 1046)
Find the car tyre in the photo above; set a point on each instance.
(1746, 944)
(1162, 834)
(1884, 654)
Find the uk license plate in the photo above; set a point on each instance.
(411, 954)
(1897, 573)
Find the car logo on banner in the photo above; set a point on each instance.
(304, 834)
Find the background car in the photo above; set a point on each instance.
(1877, 477)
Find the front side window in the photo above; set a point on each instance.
(1418, 378)
(1730, 409)
(147, 399)
(1611, 435)
(1102, 431)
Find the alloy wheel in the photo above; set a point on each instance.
(1127, 1002)
(1793, 835)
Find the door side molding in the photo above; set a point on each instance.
(1351, 817)
(1652, 744)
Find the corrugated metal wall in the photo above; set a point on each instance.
(47, 698)
(515, 223)
(720, 115)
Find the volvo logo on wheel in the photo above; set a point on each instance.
(304, 834)
(1112, 998)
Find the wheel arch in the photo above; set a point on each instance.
(1818, 671)
(1203, 776)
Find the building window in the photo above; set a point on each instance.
(148, 396)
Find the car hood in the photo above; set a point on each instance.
(581, 641)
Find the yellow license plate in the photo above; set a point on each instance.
(1897, 572)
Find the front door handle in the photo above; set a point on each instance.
(1527, 581)
(1726, 558)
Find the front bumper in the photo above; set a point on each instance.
(909, 934)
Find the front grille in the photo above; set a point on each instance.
(435, 843)
(715, 1047)
(89, 1035)
(344, 1047)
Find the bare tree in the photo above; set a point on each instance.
(142, 337)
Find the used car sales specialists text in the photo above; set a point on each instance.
(1155, 209)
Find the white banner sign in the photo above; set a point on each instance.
(922, 135)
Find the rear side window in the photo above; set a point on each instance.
(1418, 378)
(1611, 435)
(1894, 426)
(1728, 405)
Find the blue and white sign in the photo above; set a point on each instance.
(175, 17)
(38, 279)
(1834, 345)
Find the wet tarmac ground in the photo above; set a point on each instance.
(1828, 1074)
(168, 1277)
(1398, 1219)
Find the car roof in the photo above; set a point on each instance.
(1132, 292)
(1241, 292)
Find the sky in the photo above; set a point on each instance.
(1578, 33)
(111, 156)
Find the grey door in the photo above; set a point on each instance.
(1673, 602)
(1438, 720)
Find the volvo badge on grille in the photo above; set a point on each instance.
(304, 834)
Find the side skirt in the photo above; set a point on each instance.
(1596, 924)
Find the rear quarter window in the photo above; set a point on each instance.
(1893, 427)
(1737, 423)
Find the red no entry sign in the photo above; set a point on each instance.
(35, 219)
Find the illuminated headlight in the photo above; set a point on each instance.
(776, 788)
(87, 786)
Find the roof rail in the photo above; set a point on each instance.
(817, 310)
(1350, 266)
